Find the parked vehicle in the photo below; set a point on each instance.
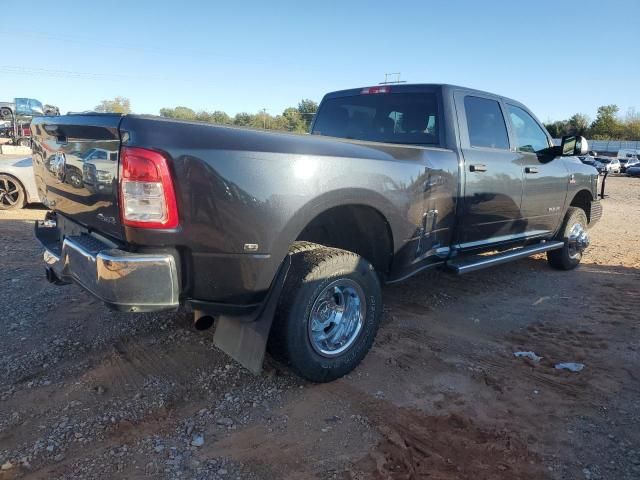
(96, 173)
(611, 165)
(245, 226)
(17, 183)
(630, 163)
(628, 157)
(633, 170)
(594, 162)
(15, 118)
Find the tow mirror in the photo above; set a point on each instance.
(574, 145)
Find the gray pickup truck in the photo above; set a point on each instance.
(284, 240)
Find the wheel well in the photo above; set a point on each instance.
(356, 228)
(582, 200)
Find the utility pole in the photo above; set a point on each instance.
(264, 118)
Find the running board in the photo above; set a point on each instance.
(480, 262)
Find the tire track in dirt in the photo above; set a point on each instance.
(414, 444)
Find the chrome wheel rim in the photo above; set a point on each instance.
(578, 240)
(337, 317)
(9, 192)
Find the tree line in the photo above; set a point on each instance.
(608, 125)
(292, 119)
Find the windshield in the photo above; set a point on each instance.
(28, 107)
(88, 153)
(407, 118)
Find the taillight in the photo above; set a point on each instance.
(369, 90)
(147, 197)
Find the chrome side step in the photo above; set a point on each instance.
(479, 262)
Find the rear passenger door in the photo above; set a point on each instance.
(491, 174)
(546, 178)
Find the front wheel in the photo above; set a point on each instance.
(12, 195)
(575, 237)
(24, 142)
(74, 177)
(328, 314)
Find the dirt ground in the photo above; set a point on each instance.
(89, 393)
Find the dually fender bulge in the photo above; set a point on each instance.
(392, 214)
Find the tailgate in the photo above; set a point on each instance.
(75, 160)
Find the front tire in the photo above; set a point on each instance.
(12, 194)
(571, 233)
(24, 142)
(328, 313)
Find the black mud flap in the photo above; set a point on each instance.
(245, 339)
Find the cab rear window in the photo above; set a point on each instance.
(405, 118)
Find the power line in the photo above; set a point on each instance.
(20, 70)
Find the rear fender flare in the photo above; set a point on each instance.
(314, 207)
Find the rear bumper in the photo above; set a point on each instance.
(135, 282)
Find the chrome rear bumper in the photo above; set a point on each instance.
(123, 280)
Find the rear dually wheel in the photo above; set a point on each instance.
(328, 314)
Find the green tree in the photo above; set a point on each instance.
(203, 116)
(293, 120)
(221, 117)
(307, 109)
(117, 105)
(243, 119)
(606, 125)
(181, 113)
(632, 125)
(558, 128)
(279, 122)
(578, 124)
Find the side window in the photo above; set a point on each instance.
(529, 135)
(485, 123)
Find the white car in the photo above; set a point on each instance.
(612, 165)
(17, 183)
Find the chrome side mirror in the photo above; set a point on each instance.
(574, 145)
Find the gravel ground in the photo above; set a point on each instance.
(90, 393)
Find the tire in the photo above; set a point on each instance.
(321, 282)
(12, 194)
(568, 257)
(74, 177)
(24, 142)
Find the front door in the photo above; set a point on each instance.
(546, 179)
(492, 176)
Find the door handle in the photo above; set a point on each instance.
(478, 167)
(530, 170)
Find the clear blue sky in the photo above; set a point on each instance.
(244, 56)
